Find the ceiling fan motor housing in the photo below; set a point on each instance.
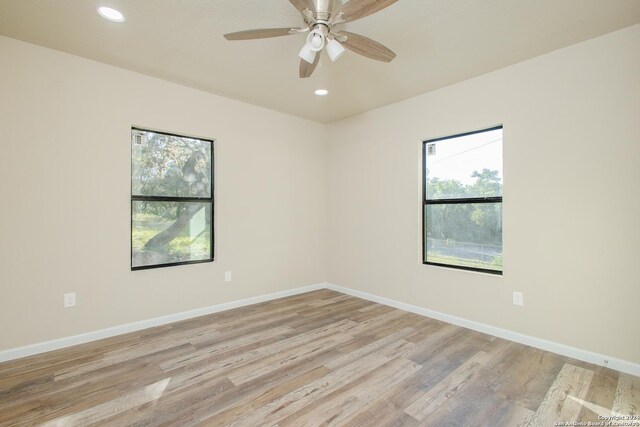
(324, 8)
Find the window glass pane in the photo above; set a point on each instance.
(168, 165)
(170, 232)
(465, 166)
(465, 234)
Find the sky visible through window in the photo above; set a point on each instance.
(457, 158)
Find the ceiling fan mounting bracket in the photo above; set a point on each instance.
(322, 26)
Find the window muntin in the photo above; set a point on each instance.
(171, 199)
(462, 187)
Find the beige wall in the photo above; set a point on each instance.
(65, 186)
(571, 197)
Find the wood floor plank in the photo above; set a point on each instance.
(627, 397)
(375, 323)
(370, 311)
(253, 402)
(115, 406)
(208, 352)
(240, 330)
(516, 416)
(243, 360)
(475, 405)
(209, 414)
(524, 374)
(368, 418)
(337, 408)
(442, 362)
(285, 358)
(320, 358)
(209, 411)
(386, 409)
(424, 406)
(298, 399)
(110, 359)
(599, 400)
(431, 345)
(81, 385)
(369, 348)
(563, 400)
(328, 301)
(76, 399)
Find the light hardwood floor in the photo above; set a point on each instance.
(321, 358)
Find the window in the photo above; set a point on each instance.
(462, 201)
(171, 199)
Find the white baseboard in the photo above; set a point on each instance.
(576, 353)
(30, 350)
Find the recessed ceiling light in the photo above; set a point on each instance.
(111, 14)
(321, 92)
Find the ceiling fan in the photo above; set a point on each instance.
(321, 18)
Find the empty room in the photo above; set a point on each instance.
(320, 212)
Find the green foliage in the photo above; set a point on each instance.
(473, 231)
(181, 248)
(487, 184)
(445, 189)
(166, 165)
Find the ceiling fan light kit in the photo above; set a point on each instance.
(307, 53)
(316, 39)
(321, 18)
(315, 43)
(335, 49)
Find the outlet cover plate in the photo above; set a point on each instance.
(70, 300)
(518, 298)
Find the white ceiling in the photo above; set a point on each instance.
(438, 42)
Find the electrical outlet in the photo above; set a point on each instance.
(70, 300)
(227, 276)
(518, 298)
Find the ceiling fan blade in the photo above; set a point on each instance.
(301, 5)
(307, 69)
(263, 33)
(335, 6)
(366, 47)
(356, 9)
